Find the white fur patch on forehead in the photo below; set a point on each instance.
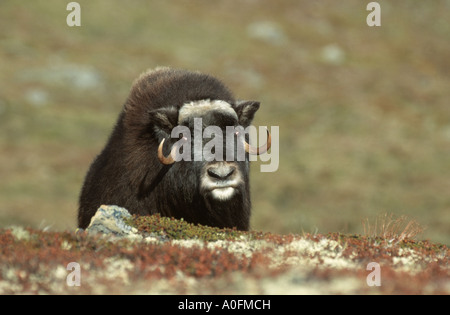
(200, 108)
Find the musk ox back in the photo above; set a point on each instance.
(138, 169)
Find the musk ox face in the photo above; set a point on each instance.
(211, 141)
(220, 179)
(180, 149)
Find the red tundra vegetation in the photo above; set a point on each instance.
(171, 256)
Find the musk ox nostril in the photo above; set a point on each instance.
(221, 173)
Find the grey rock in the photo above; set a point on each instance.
(80, 77)
(37, 97)
(268, 32)
(109, 220)
(332, 54)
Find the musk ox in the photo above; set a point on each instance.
(138, 169)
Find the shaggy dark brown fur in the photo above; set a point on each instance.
(128, 173)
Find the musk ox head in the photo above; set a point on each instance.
(210, 137)
(180, 148)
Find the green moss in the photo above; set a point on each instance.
(180, 229)
(425, 246)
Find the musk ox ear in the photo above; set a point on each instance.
(246, 112)
(163, 120)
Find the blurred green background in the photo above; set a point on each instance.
(364, 112)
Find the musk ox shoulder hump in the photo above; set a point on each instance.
(166, 87)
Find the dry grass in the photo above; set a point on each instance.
(393, 228)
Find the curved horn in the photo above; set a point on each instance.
(166, 160)
(262, 149)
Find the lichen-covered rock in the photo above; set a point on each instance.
(110, 220)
